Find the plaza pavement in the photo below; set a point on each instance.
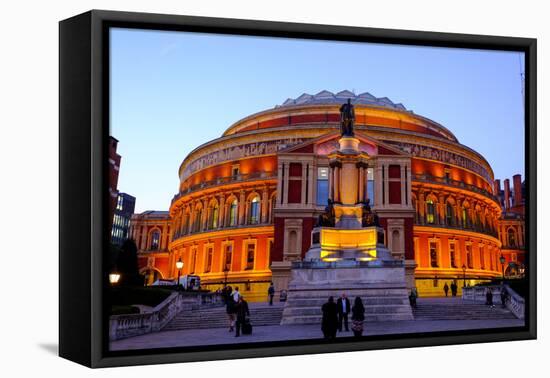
(220, 336)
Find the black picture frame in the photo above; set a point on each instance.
(83, 198)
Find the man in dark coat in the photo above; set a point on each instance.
(271, 293)
(343, 307)
(446, 289)
(330, 319)
(241, 310)
(454, 289)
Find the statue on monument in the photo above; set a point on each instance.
(347, 119)
(369, 218)
(328, 217)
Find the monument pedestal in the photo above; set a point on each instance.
(346, 256)
(380, 284)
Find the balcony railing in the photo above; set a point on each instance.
(178, 235)
(225, 180)
(454, 183)
(475, 228)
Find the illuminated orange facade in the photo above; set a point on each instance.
(248, 201)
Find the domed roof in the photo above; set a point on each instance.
(327, 97)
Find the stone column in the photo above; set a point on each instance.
(361, 196)
(378, 184)
(164, 243)
(403, 186)
(279, 180)
(311, 184)
(304, 193)
(264, 205)
(386, 185)
(330, 183)
(143, 238)
(242, 205)
(221, 212)
(285, 190)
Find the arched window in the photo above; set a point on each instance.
(465, 218)
(198, 219)
(254, 212)
(430, 211)
(155, 241)
(213, 220)
(511, 237)
(449, 214)
(233, 213)
(185, 228)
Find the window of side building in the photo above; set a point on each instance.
(155, 241)
(322, 186)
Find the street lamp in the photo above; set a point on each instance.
(179, 267)
(114, 277)
(502, 262)
(225, 272)
(464, 274)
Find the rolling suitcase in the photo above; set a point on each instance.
(247, 327)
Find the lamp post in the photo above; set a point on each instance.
(464, 274)
(502, 262)
(225, 272)
(114, 277)
(179, 267)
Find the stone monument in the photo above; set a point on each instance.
(347, 253)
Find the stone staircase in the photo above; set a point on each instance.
(261, 314)
(458, 309)
(307, 310)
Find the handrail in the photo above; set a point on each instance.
(130, 325)
(514, 302)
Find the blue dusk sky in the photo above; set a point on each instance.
(172, 91)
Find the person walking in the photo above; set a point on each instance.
(329, 322)
(446, 289)
(271, 293)
(241, 311)
(236, 295)
(489, 297)
(454, 289)
(229, 307)
(357, 317)
(412, 297)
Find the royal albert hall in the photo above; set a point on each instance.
(247, 201)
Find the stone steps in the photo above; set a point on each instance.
(217, 318)
(459, 311)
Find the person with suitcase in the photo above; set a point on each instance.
(241, 310)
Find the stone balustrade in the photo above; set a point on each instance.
(129, 325)
(515, 303)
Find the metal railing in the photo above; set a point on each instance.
(454, 183)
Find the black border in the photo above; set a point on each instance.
(84, 132)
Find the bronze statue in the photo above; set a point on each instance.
(328, 217)
(369, 218)
(347, 119)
